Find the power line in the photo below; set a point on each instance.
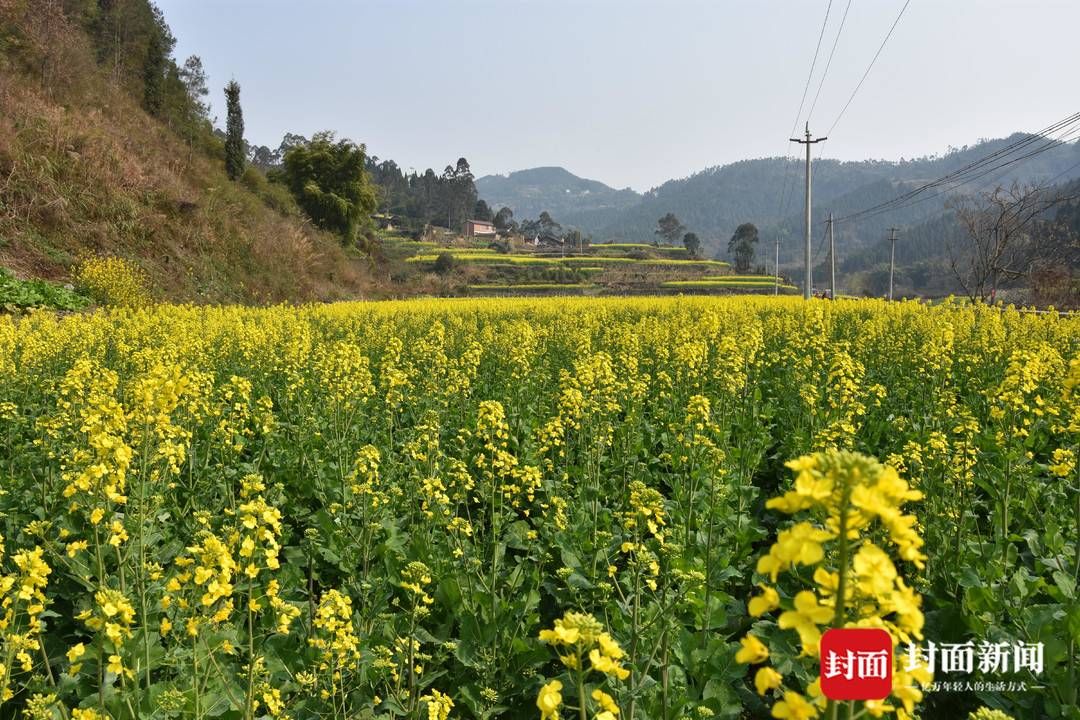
(821, 245)
(967, 173)
(828, 63)
(788, 174)
(1049, 146)
(868, 68)
(813, 64)
(952, 188)
(1064, 139)
(958, 182)
(1063, 173)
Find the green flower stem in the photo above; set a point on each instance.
(841, 585)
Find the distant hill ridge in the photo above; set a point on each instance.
(555, 189)
(714, 201)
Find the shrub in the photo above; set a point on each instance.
(444, 264)
(273, 194)
(113, 281)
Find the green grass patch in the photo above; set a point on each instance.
(38, 294)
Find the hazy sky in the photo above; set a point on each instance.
(630, 92)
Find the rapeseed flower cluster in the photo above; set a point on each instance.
(22, 602)
(644, 527)
(577, 638)
(154, 400)
(853, 507)
(245, 553)
(334, 638)
(113, 281)
(415, 578)
(112, 617)
(439, 705)
(343, 372)
(364, 484)
(259, 529)
(1024, 397)
(93, 424)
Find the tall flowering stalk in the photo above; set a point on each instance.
(22, 602)
(235, 563)
(334, 637)
(579, 638)
(850, 510)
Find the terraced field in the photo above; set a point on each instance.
(505, 268)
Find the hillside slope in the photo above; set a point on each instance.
(84, 170)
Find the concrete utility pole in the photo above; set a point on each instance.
(808, 142)
(892, 257)
(832, 260)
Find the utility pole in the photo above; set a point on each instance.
(776, 266)
(892, 258)
(832, 260)
(808, 142)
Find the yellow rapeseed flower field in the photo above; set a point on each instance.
(566, 507)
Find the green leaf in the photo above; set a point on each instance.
(1066, 584)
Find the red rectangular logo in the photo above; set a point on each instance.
(856, 664)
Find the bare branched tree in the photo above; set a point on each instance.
(1005, 240)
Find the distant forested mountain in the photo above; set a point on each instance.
(769, 193)
(570, 199)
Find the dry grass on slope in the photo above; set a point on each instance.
(87, 172)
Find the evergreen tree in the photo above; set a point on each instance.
(741, 246)
(692, 244)
(159, 47)
(482, 211)
(234, 132)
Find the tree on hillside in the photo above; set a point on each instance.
(669, 228)
(186, 110)
(193, 76)
(234, 132)
(504, 219)
(264, 158)
(49, 35)
(159, 49)
(481, 211)
(1005, 240)
(328, 179)
(741, 246)
(548, 227)
(288, 142)
(456, 193)
(692, 244)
